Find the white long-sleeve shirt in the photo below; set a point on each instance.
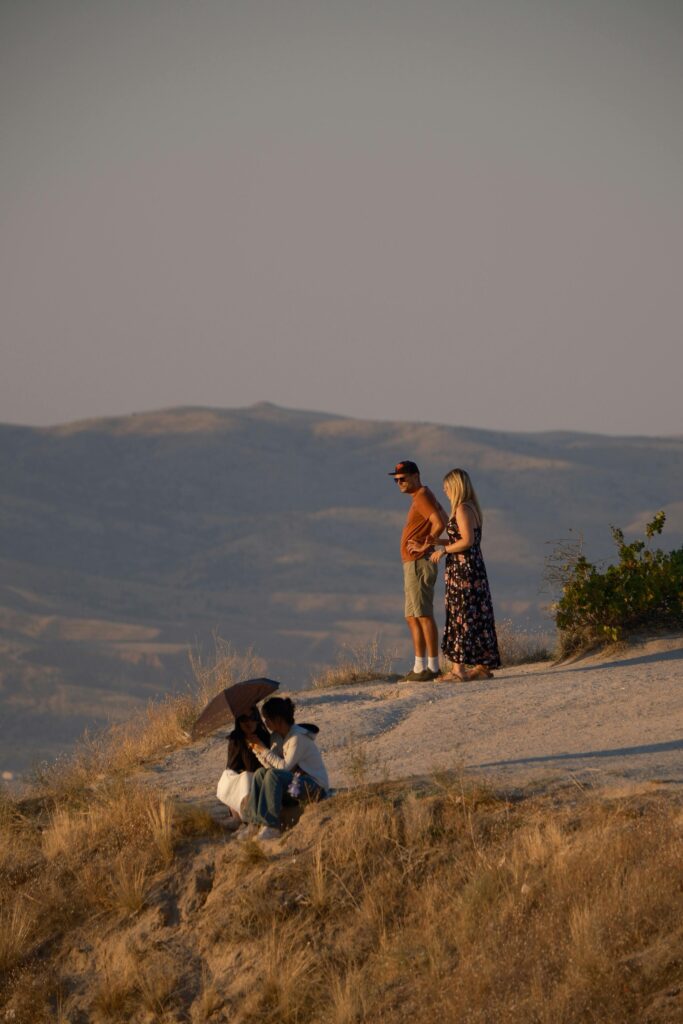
(299, 750)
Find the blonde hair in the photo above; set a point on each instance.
(459, 489)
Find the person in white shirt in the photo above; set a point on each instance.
(293, 765)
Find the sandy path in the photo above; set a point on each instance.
(603, 719)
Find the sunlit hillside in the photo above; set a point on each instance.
(125, 541)
(427, 886)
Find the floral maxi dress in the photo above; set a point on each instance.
(469, 636)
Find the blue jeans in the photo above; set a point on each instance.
(269, 789)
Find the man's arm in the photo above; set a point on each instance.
(269, 758)
(437, 521)
(283, 757)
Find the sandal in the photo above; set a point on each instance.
(453, 677)
(480, 672)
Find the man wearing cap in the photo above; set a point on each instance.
(426, 522)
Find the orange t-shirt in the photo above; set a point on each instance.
(418, 527)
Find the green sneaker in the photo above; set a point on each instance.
(418, 677)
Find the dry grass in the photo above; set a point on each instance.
(161, 825)
(289, 988)
(521, 646)
(17, 925)
(112, 998)
(391, 904)
(223, 667)
(360, 764)
(66, 830)
(318, 888)
(192, 820)
(137, 984)
(463, 906)
(346, 997)
(162, 727)
(208, 1001)
(156, 978)
(128, 885)
(251, 852)
(369, 662)
(362, 663)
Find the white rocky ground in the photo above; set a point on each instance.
(611, 720)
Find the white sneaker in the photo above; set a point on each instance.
(245, 831)
(269, 833)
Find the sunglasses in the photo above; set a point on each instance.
(400, 479)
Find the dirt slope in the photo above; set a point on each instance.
(605, 718)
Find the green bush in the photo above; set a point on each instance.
(642, 592)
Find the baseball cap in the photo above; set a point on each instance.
(406, 468)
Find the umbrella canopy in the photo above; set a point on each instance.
(228, 705)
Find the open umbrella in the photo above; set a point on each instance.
(228, 705)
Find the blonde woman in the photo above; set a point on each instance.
(469, 637)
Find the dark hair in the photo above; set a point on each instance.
(279, 707)
(240, 756)
(253, 713)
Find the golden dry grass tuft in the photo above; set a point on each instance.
(192, 820)
(209, 999)
(361, 764)
(160, 818)
(128, 884)
(289, 989)
(361, 663)
(519, 646)
(17, 923)
(112, 998)
(156, 978)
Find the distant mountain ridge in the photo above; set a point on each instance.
(125, 540)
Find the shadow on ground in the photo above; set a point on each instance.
(649, 748)
(643, 659)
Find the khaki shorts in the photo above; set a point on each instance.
(418, 583)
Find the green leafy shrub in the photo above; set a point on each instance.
(643, 591)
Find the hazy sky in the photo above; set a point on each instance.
(465, 211)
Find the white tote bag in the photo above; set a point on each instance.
(233, 787)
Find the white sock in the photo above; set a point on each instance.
(420, 664)
(433, 664)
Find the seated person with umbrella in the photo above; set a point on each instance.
(235, 782)
(292, 766)
(237, 704)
